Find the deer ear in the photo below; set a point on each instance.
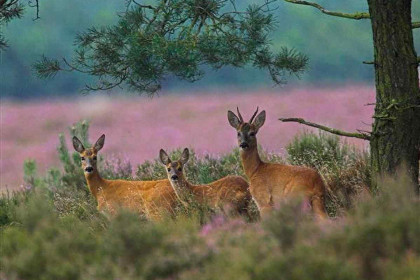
(185, 156)
(233, 119)
(259, 120)
(77, 145)
(164, 158)
(100, 143)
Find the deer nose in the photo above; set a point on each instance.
(243, 145)
(89, 169)
(174, 177)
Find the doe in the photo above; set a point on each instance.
(230, 191)
(153, 199)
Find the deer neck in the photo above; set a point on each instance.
(183, 189)
(250, 161)
(95, 182)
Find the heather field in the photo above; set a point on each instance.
(136, 128)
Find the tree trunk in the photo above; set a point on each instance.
(396, 128)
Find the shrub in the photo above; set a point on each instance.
(116, 168)
(198, 170)
(344, 169)
(73, 174)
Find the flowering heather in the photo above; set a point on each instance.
(223, 224)
(115, 166)
(139, 127)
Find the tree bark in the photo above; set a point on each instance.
(396, 129)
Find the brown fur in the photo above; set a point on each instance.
(230, 191)
(271, 183)
(153, 199)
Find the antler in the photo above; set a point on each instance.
(239, 115)
(253, 116)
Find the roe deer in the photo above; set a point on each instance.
(231, 191)
(150, 198)
(270, 183)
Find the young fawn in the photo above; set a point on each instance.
(230, 191)
(270, 183)
(150, 198)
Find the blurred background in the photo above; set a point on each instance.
(336, 47)
(333, 90)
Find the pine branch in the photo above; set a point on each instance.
(35, 5)
(3, 43)
(143, 6)
(369, 62)
(355, 16)
(373, 62)
(11, 9)
(363, 136)
(152, 42)
(46, 68)
(415, 24)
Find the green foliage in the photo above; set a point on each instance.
(9, 9)
(29, 172)
(43, 245)
(116, 168)
(322, 151)
(201, 170)
(383, 228)
(47, 68)
(73, 173)
(349, 43)
(344, 169)
(176, 37)
(8, 203)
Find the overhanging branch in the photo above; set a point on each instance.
(35, 4)
(356, 16)
(373, 62)
(152, 41)
(368, 62)
(363, 136)
(415, 24)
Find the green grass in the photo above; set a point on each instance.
(53, 230)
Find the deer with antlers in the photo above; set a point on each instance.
(271, 183)
(153, 199)
(230, 191)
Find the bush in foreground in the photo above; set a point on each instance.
(377, 239)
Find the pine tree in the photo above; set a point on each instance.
(395, 136)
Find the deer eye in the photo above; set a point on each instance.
(180, 169)
(82, 158)
(94, 158)
(239, 134)
(252, 134)
(169, 169)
